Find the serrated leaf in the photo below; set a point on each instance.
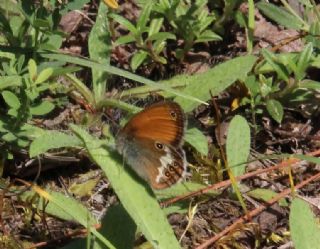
(43, 108)
(11, 99)
(280, 15)
(214, 81)
(304, 227)
(52, 140)
(136, 197)
(197, 140)
(238, 145)
(275, 109)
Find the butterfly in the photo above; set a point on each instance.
(151, 143)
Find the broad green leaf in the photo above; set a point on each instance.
(214, 81)
(44, 75)
(238, 145)
(100, 50)
(137, 59)
(11, 99)
(118, 227)
(197, 140)
(266, 195)
(135, 197)
(280, 15)
(304, 227)
(52, 140)
(43, 108)
(275, 109)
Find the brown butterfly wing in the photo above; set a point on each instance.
(161, 165)
(164, 122)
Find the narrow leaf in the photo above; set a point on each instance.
(280, 15)
(304, 61)
(100, 50)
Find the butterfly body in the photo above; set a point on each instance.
(151, 144)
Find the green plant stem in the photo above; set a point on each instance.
(250, 29)
(82, 88)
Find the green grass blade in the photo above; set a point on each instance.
(120, 72)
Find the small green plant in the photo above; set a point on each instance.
(280, 80)
(23, 99)
(188, 20)
(308, 22)
(146, 35)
